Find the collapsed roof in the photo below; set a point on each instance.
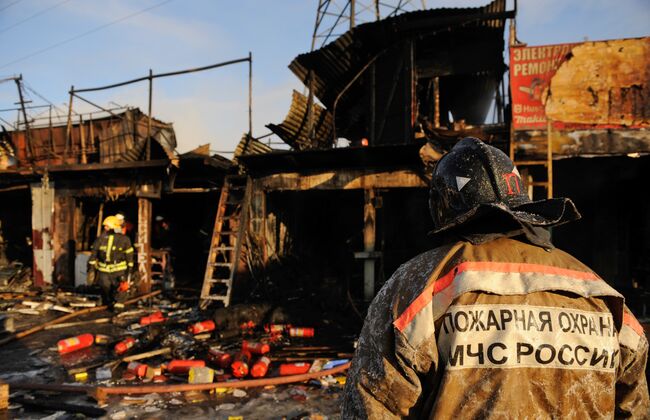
(118, 137)
(380, 65)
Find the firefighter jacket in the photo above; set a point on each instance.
(112, 253)
(503, 329)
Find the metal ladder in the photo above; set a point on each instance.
(548, 163)
(227, 237)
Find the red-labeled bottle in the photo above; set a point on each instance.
(138, 369)
(219, 358)
(240, 362)
(247, 325)
(255, 348)
(301, 332)
(129, 376)
(183, 366)
(294, 368)
(154, 318)
(102, 339)
(75, 343)
(124, 345)
(276, 328)
(260, 367)
(201, 327)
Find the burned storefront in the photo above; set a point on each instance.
(344, 217)
(580, 129)
(258, 271)
(69, 177)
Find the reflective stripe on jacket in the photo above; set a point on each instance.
(112, 252)
(498, 330)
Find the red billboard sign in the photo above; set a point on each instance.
(531, 70)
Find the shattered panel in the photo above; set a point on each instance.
(42, 229)
(605, 83)
(248, 146)
(295, 129)
(531, 70)
(365, 77)
(121, 137)
(582, 142)
(334, 65)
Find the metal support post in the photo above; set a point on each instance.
(150, 115)
(369, 236)
(250, 94)
(30, 146)
(144, 244)
(68, 130)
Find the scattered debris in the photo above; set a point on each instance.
(173, 354)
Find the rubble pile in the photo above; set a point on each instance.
(219, 360)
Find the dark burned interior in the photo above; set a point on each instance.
(403, 77)
(321, 221)
(613, 236)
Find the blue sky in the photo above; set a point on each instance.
(211, 107)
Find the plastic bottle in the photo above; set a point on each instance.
(129, 376)
(201, 327)
(219, 358)
(240, 364)
(334, 363)
(138, 369)
(276, 328)
(124, 345)
(153, 371)
(301, 332)
(183, 366)
(152, 319)
(255, 347)
(294, 368)
(102, 339)
(260, 367)
(75, 343)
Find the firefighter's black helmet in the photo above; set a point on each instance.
(475, 180)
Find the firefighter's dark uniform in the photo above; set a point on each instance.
(112, 257)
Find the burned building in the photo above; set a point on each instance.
(68, 177)
(340, 217)
(580, 113)
(401, 91)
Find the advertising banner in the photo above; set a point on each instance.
(531, 70)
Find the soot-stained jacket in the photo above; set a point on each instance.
(503, 329)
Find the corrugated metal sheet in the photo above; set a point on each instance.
(248, 146)
(334, 65)
(117, 138)
(295, 129)
(7, 154)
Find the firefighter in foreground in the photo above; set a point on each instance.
(496, 322)
(112, 258)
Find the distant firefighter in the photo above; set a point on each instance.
(112, 258)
